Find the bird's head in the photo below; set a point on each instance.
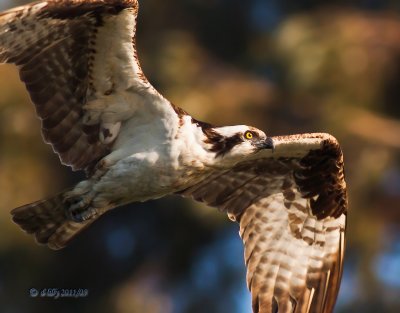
(236, 141)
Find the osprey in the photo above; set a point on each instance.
(100, 114)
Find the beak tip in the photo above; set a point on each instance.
(269, 144)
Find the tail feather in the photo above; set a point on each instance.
(49, 222)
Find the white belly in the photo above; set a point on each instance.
(148, 162)
(133, 179)
(141, 177)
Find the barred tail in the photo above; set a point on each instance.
(48, 221)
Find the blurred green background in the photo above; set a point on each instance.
(283, 66)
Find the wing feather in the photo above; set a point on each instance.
(291, 205)
(78, 59)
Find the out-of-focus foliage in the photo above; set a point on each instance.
(282, 66)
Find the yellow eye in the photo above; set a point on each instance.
(248, 135)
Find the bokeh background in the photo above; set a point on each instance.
(283, 66)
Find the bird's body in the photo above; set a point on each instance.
(149, 162)
(100, 114)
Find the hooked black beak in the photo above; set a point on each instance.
(266, 144)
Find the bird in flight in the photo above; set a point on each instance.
(78, 60)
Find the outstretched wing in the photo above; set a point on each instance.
(79, 63)
(291, 205)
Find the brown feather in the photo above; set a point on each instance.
(291, 211)
(48, 221)
(55, 67)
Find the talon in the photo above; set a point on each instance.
(82, 216)
(79, 209)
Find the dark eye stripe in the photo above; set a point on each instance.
(222, 145)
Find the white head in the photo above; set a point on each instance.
(235, 142)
